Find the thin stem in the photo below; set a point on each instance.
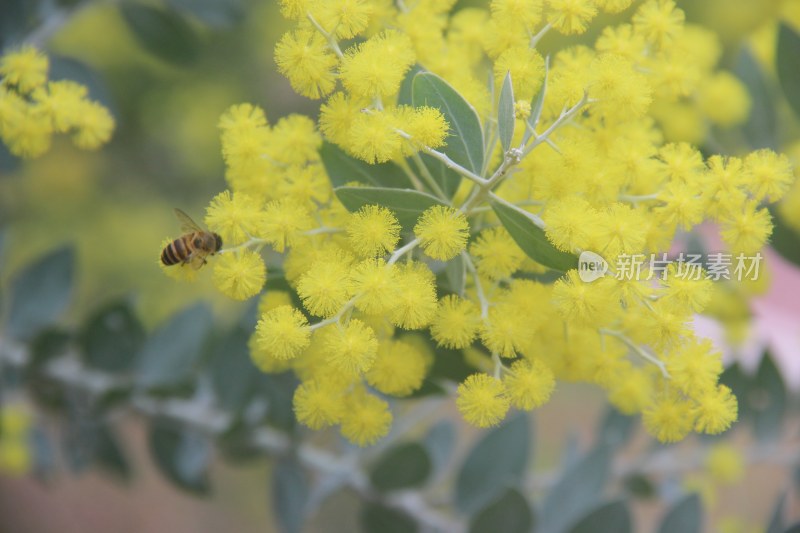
(332, 42)
(538, 37)
(247, 244)
(428, 177)
(564, 117)
(632, 198)
(641, 352)
(323, 229)
(449, 163)
(478, 286)
(410, 175)
(400, 252)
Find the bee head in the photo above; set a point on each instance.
(217, 242)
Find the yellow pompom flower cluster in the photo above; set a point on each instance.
(606, 162)
(32, 108)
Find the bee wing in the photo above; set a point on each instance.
(187, 224)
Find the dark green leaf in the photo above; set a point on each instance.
(407, 205)
(377, 518)
(448, 180)
(161, 32)
(439, 442)
(111, 338)
(450, 365)
(616, 428)
(279, 390)
(793, 529)
(48, 344)
(505, 113)
(785, 240)
(109, 454)
(760, 128)
(402, 467)
(510, 513)
(686, 516)
(19, 17)
(168, 357)
(777, 521)
(182, 456)
(576, 492)
(290, 490)
(68, 68)
(735, 379)
(613, 516)
(214, 13)
(767, 399)
(787, 66)
(497, 462)
(455, 273)
(343, 169)
(40, 292)
(639, 486)
(233, 374)
(532, 240)
(465, 141)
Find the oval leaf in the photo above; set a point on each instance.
(465, 143)
(404, 466)
(532, 240)
(182, 456)
(505, 113)
(377, 518)
(233, 374)
(510, 513)
(162, 33)
(759, 130)
(767, 398)
(111, 338)
(290, 491)
(40, 292)
(439, 442)
(576, 492)
(612, 516)
(169, 356)
(406, 204)
(343, 169)
(496, 462)
(686, 516)
(787, 66)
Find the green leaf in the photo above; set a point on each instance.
(793, 529)
(639, 485)
(278, 390)
(505, 113)
(48, 344)
(168, 357)
(40, 292)
(784, 240)
(378, 518)
(776, 521)
(343, 169)
(111, 338)
(537, 104)
(109, 454)
(183, 456)
(439, 442)
(213, 13)
(496, 462)
(576, 492)
(613, 516)
(760, 129)
(787, 66)
(163, 33)
(686, 516)
(735, 379)
(510, 513)
(447, 179)
(456, 275)
(465, 143)
(767, 398)
(402, 467)
(232, 372)
(405, 95)
(616, 428)
(290, 491)
(407, 205)
(532, 239)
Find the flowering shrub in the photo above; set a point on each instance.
(424, 208)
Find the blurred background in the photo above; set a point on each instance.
(167, 78)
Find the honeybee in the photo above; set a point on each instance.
(193, 246)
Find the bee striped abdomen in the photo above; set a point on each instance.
(174, 252)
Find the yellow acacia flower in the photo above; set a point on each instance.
(240, 275)
(366, 419)
(659, 21)
(318, 404)
(748, 230)
(456, 322)
(376, 67)
(235, 217)
(63, 102)
(526, 66)
(426, 126)
(443, 232)
(482, 400)
(716, 410)
(324, 288)
(695, 368)
(374, 137)
(24, 68)
(725, 463)
(304, 58)
(613, 6)
(282, 223)
(504, 331)
(571, 16)
(570, 223)
(415, 300)
(399, 368)
(514, 12)
(94, 126)
(724, 99)
(348, 18)
(497, 254)
(529, 384)
(768, 175)
(242, 118)
(669, 419)
(282, 333)
(585, 303)
(375, 284)
(336, 117)
(373, 230)
(352, 347)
